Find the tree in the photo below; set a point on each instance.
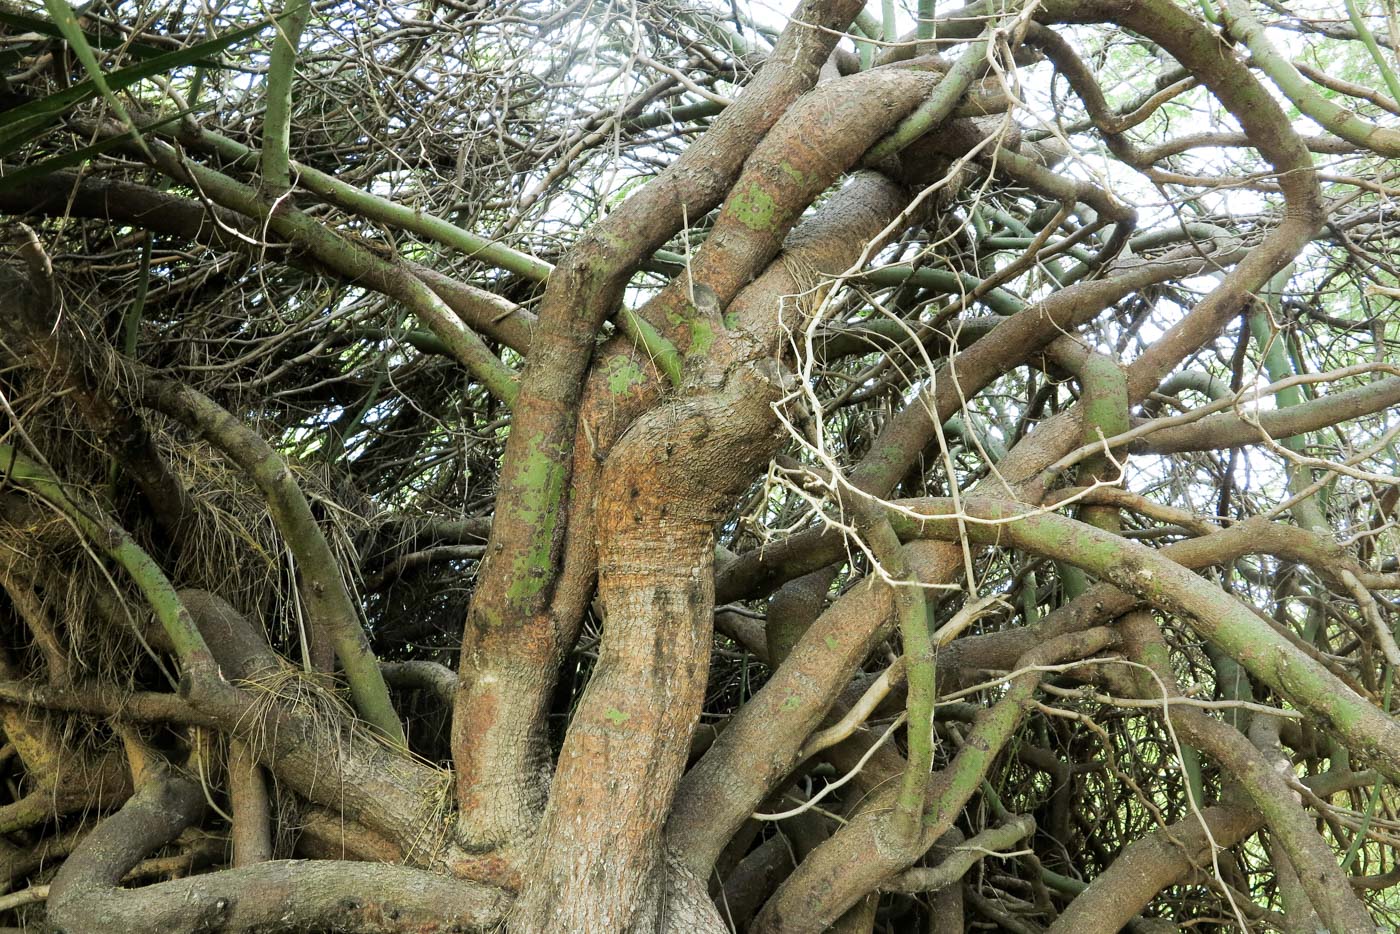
(926, 472)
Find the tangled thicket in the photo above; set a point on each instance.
(902, 469)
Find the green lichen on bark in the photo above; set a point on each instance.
(542, 481)
(753, 207)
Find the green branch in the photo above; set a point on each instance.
(911, 609)
(994, 727)
(1264, 652)
(373, 207)
(1104, 394)
(353, 261)
(322, 588)
(939, 105)
(866, 26)
(1358, 23)
(111, 538)
(1334, 119)
(67, 22)
(653, 343)
(277, 120)
(1307, 511)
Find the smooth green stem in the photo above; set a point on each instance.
(982, 226)
(1295, 357)
(1185, 233)
(1157, 657)
(423, 341)
(717, 31)
(685, 113)
(1104, 393)
(131, 322)
(1232, 684)
(1030, 601)
(998, 300)
(1073, 581)
(1277, 365)
(653, 343)
(937, 108)
(867, 26)
(196, 87)
(111, 538)
(982, 441)
(66, 19)
(890, 20)
(926, 26)
(1333, 118)
(320, 581)
(277, 119)
(1267, 654)
(911, 609)
(1063, 883)
(343, 430)
(994, 727)
(335, 251)
(1200, 381)
(1021, 243)
(951, 870)
(1368, 39)
(373, 207)
(1019, 236)
(921, 673)
(1369, 815)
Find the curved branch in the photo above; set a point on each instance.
(69, 195)
(1170, 855)
(1322, 878)
(194, 655)
(277, 118)
(328, 602)
(282, 895)
(373, 207)
(861, 856)
(1262, 650)
(665, 486)
(358, 263)
(509, 634)
(1330, 116)
(961, 857)
(1228, 430)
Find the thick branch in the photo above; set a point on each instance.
(333, 613)
(1264, 652)
(283, 895)
(508, 629)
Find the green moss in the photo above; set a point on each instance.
(623, 374)
(797, 176)
(617, 716)
(753, 208)
(543, 479)
(702, 337)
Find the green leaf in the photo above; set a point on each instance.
(32, 173)
(67, 22)
(21, 124)
(97, 39)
